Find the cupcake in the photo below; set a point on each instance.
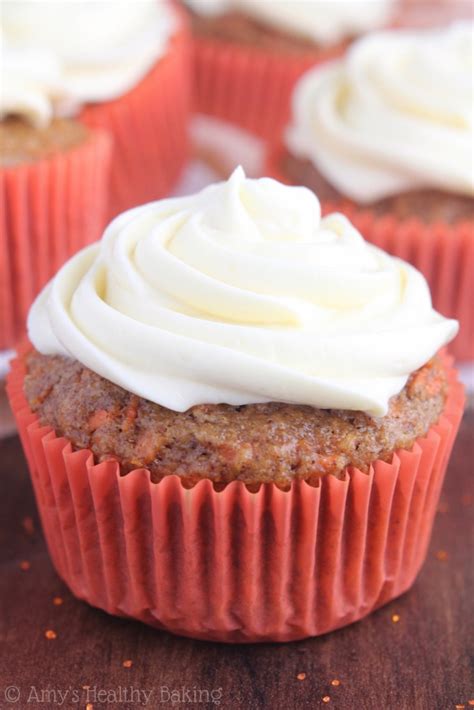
(237, 416)
(385, 135)
(125, 67)
(54, 175)
(248, 54)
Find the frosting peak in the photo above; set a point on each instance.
(396, 114)
(241, 293)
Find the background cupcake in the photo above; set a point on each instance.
(249, 53)
(386, 136)
(54, 179)
(124, 64)
(259, 439)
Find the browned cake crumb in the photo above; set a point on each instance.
(254, 443)
(21, 143)
(428, 205)
(238, 28)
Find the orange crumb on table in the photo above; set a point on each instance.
(89, 706)
(25, 565)
(127, 664)
(395, 618)
(470, 702)
(50, 634)
(301, 676)
(326, 698)
(442, 555)
(28, 525)
(335, 682)
(57, 601)
(460, 707)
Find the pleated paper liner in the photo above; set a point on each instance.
(48, 210)
(444, 253)
(249, 86)
(149, 128)
(233, 565)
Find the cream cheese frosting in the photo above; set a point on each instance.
(395, 114)
(323, 21)
(57, 56)
(240, 294)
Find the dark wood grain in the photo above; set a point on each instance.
(423, 662)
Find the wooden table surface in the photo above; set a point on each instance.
(424, 661)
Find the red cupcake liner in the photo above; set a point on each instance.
(444, 253)
(48, 210)
(149, 128)
(249, 86)
(233, 565)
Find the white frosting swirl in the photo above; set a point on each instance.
(396, 114)
(59, 55)
(323, 21)
(239, 294)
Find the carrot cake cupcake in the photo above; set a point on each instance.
(125, 67)
(231, 393)
(54, 175)
(387, 132)
(249, 53)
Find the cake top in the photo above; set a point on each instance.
(241, 294)
(395, 114)
(57, 56)
(323, 21)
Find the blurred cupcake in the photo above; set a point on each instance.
(248, 54)
(125, 66)
(385, 136)
(54, 175)
(235, 417)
